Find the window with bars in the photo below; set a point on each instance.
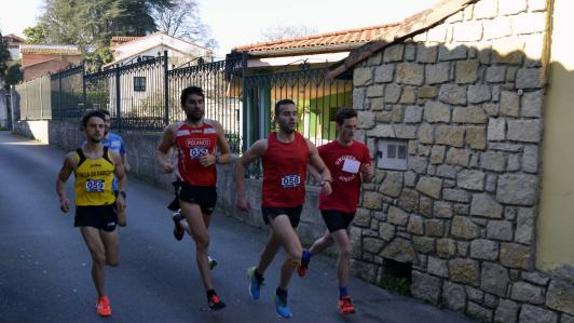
(139, 83)
(392, 154)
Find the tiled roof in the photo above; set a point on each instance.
(14, 37)
(50, 49)
(337, 41)
(123, 39)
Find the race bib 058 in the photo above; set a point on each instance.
(290, 181)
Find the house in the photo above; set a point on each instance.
(13, 43)
(467, 109)
(38, 60)
(127, 50)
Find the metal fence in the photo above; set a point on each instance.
(145, 96)
(33, 100)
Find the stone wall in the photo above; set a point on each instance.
(467, 95)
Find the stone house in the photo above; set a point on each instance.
(466, 108)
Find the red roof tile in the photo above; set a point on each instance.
(327, 42)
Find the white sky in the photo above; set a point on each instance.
(236, 23)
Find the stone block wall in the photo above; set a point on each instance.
(467, 95)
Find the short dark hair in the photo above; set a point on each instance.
(92, 113)
(344, 114)
(280, 103)
(105, 112)
(189, 91)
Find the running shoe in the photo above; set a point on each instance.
(304, 265)
(212, 262)
(214, 303)
(254, 283)
(346, 306)
(103, 306)
(281, 307)
(178, 230)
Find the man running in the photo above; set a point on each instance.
(349, 162)
(285, 155)
(197, 141)
(94, 167)
(116, 144)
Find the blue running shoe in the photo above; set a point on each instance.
(254, 283)
(281, 307)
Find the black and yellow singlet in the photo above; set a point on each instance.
(94, 179)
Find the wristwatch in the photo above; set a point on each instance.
(123, 194)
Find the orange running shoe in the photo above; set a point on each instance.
(103, 306)
(346, 306)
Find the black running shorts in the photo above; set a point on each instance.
(204, 196)
(337, 220)
(103, 217)
(294, 214)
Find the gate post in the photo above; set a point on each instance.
(165, 90)
(118, 100)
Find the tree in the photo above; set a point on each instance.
(4, 57)
(91, 24)
(279, 32)
(181, 20)
(13, 75)
(35, 34)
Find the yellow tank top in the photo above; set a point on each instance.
(94, 179)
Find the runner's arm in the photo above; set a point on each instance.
(124, 155)
(63, 175)
(257, 150)
(222, 145)
(167, 141)
(120, 174)
(316, 162)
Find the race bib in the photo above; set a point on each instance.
(95, 185)
(198, 152)
(351, 166)
(290, 181)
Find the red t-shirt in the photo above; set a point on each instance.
(284, 172)
(346, 185)
(193, 143)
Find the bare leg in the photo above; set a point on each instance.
(345, 251)
(200, 235)
(271, 249)
(97, 250)
(285, 233)
(322, 243)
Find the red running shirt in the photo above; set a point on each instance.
(193, 143)
(284, 172)
(346, 185)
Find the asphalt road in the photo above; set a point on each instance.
(45, 267)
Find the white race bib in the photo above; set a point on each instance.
(290, 181)
(351, 166)
(95, 185)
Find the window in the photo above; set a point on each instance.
(139, 83)
(392, 154)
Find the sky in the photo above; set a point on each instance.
(236, 23)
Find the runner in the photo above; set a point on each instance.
(285, 155)
(349, 162)
(94, 167)
(116, 144)
(197, 141)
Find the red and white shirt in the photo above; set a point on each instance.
(192, 143)
(342, 162)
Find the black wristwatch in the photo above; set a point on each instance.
(123, 194)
